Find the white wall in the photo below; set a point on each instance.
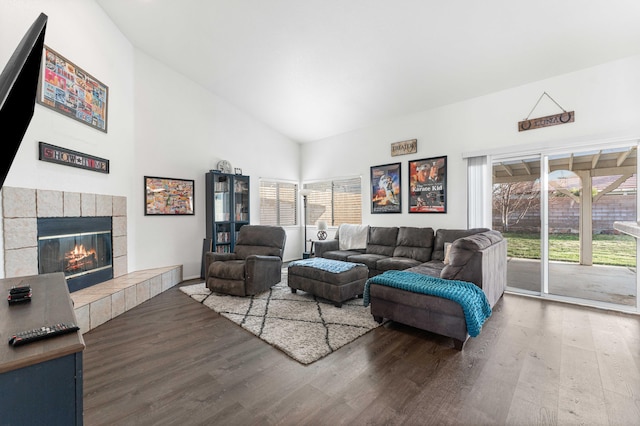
(160, 124)
(80, 31)
(605, 99)
(182, 131)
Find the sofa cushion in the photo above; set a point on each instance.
(368, 259)
(449, 236)
(382, 240)
(396, 263)
(432, 268)
(229, 270)
(339, 254)
(414, 243)
(243, 251)
(479, 241)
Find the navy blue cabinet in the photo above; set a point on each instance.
(40, 382)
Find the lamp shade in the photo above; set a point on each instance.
(305, 191)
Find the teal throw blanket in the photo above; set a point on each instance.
(329, 265)
(470, 297)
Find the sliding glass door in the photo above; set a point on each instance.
(557, 211)
(516, 213)
(586, 193)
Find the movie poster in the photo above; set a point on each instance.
(428, 185)
(385, 189)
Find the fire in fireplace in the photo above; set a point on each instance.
(80, 247)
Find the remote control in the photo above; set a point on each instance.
(20, 290)
(19, 295)
(41, 333)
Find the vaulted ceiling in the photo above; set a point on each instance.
(311, 69)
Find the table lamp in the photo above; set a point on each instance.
(322, 230)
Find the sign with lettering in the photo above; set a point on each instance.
(404, 147)
(549, 120)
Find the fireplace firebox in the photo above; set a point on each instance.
(80, 247)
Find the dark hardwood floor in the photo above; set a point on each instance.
(172, 361)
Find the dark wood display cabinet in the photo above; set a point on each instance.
(227, 198)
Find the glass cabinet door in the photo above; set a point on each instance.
(222, 199)
(241, 198)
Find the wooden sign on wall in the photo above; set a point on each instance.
(404, 147)
(550, 120)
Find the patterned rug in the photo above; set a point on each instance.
(301, 325)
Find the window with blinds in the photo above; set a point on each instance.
(278, 203)
(335, 202)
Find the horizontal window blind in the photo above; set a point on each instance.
(335, 202)
(278, 203)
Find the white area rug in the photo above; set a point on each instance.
(304, 327)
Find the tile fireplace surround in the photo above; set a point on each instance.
(21, 208)
(101, 302)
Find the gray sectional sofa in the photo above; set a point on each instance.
(423, 250)
(475, 255)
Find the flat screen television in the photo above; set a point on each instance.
(18, 88)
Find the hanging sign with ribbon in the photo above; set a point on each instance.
(550, 120)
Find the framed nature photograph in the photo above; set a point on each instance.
(167, 196)
(428, 185)
(385, 189)
(68, 89)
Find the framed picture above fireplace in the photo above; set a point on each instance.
(68, 89)
(168, 196)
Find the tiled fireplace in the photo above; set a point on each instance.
(23, 208)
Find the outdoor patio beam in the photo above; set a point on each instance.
(623, 156)
(595, 159)
(571, 162)
(612, 186)
(614, 171)
(526, 166)
(507, 169)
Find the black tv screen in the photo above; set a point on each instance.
(18, 88)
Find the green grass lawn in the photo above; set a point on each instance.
(618, 250)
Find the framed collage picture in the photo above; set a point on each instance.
(386, 188)
(68, 89)
(428, 185)
(167, 196)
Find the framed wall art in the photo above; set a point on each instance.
(385, 189)
(428, 185)
(167, 196)
(68, 89)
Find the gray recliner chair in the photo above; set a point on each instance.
(253, 267)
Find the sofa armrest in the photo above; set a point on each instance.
(482, 260)
(211, 257)
(320, 247)
(260, 269)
